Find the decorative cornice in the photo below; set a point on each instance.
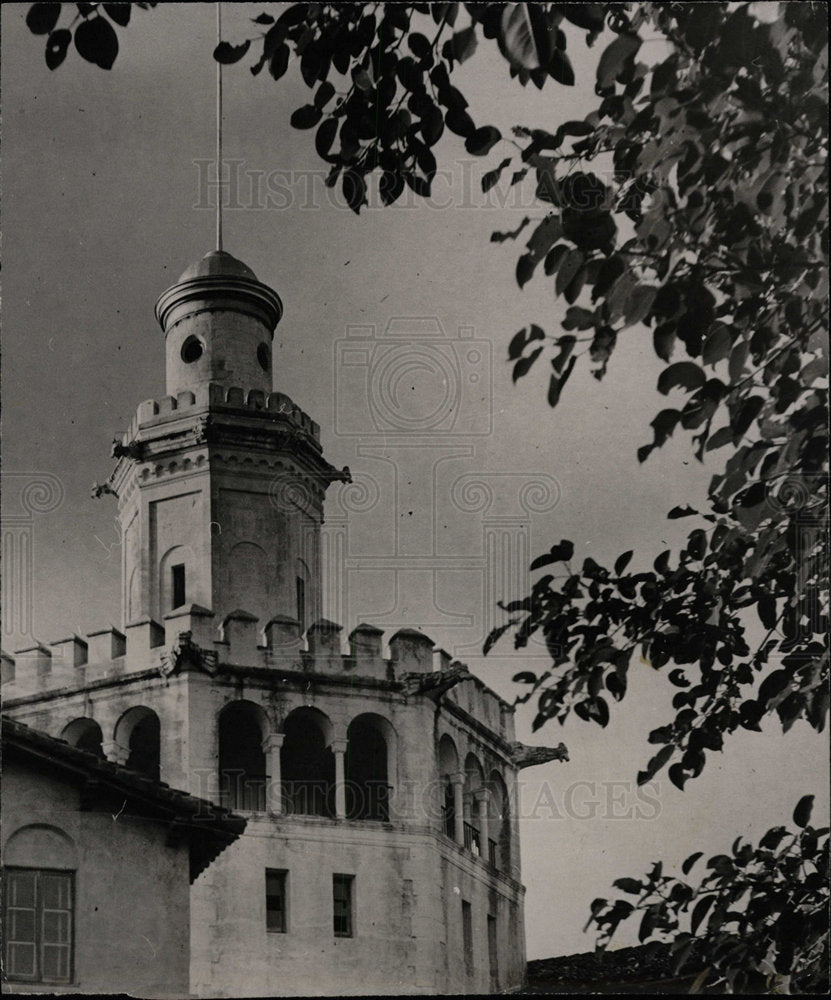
(219, 292)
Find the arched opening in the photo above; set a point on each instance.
(84, 734)
(307, 764)
(264, 357)
(176, 579)
(474, 783)
(139, 732)
(448, 766)
(367, 768)
(499, 823)
(306, 614)
(242, 767)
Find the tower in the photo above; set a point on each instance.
(221, 482)
(381, 853)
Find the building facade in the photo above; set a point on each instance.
(381, 853)
(97, 866)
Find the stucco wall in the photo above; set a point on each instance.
(408, 889)
(131, 891)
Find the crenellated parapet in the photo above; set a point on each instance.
(191, 638)
(276, 406)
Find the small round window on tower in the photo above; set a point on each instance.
(192, 350)
(264, 357)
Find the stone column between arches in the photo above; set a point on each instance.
(272, 745)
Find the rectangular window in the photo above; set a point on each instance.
(467, 934)
(178, 584)
(301, 603)
(275, 901)
(493, 953)
(37, 923)
(343, 903)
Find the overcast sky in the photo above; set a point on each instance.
(102, 210)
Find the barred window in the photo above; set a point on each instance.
(276, 921)
(37, 924)
(342, 898)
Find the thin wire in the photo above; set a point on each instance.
(218, 132)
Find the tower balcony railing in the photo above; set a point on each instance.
(472, 839)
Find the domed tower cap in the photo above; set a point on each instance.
(220, 280)
(218, 263)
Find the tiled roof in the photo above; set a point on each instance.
(586, 972)
(207, 827)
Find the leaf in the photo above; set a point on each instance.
(571, 264)
(684, 511)
(663, 340)
(766, 606)
(278, 61)
(463, 44)
(494, 637)
(566, 345)
(684, 374)
(521, 339)
(227, 54)
(354, 189)
(362, 79)
(638, 303)
(697, 544)
(717, 345)
(630, 885)
(578, 318)
(622, 562)
(524, 37)
(678, 776)
(118, 12)
(700, 911)
(525, 267)
(802, 813)
(306, 117)
(459, 122)
(655, 764)
(687, 866)
(558, 553)
(555, 385)
(523, 366)
(614, 59)
(41, 18)
(419, 44)
(482, 140)
(525, 677)
(57, 45)
(555, 256)
(560, 68)
(96, 41)
(325, 93)
(492, 176)
(325, 137)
